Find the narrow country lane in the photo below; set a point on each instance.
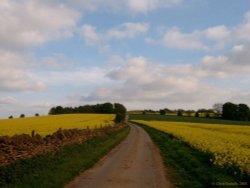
(135, 163)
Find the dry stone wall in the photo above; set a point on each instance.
(26, 146)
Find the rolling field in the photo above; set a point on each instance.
(45, 125)
(174, 118)
(229, 144)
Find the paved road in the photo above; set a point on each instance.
(135, 163)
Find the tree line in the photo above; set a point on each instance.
(228, 110)
(233, 111)
(105, 108)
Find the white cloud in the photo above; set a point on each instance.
(217, 33)
(30, 23)
(126, 30)
(144, 6)
(238, 48)
(211, 38)
(89, 34)
(234, 63)
(242, 32)
(134, 6)
(174, 38)
(143, 83)
(8, 100)
(14, 73)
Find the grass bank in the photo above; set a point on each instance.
(55, 170)
(189, 167)
(186, 119)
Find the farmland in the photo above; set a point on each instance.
(229, 144)
(46, 125)
(174, 118)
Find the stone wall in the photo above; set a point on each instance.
(26, 146)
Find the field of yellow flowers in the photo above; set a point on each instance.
(45, 125)
(229, 144)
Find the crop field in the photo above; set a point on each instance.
(45, 125)
(174, 118)
(228, 144)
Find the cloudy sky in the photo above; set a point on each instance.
(143, 53)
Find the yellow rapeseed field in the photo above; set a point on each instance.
(229, 144)
(45, 125)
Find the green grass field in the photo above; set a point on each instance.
(186, 119)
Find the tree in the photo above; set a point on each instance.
(120, 111)
(236, 112)
(56, 110)
(37, 115)
(22, 116)
(11, 117)
(119, 108)
(180, 112)
(163, 112)
(217, 107)
(243, 112)
(230, 111)
(119, 117)
(107, 108)
(197, 114)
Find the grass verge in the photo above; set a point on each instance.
(189, 167)
(186, 119)
(55, 170)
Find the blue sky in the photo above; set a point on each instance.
(144, 53)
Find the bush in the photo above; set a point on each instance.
(179, 113)
(162, 112)
(119, 117)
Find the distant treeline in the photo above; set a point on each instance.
(228, 111)
(105, 108)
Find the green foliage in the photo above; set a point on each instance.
(235, 112)
(162, 112)
(22, 116)
(186, 119)
(180, 112)
(119, 108)
(189, 167)
(55, 170)
(11, 117)
(105, 108)
(119, 117)
(196, 114)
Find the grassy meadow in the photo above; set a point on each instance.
(45, 125)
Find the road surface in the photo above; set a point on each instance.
(135, 163)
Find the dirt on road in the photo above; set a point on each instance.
(135, 163)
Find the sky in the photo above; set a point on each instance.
(145, 54)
